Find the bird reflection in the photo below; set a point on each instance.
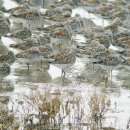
(37, 76)
(3, 49)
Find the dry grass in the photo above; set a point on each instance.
(7, 119)
(46, 105)
(99, 104)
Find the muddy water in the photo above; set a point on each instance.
(79, 84)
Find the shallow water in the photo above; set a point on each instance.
(80, 83)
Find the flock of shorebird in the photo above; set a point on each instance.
(57, 26)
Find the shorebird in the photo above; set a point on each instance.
(94, 50)
(7, 58)
(20, 34)
(64, 59)
(75, 22)
(91, 32)
(53, 11)
(44, 39)
(4, 71)
(31, 17)
(103, 39)
(123, 42)
(29, 56)
(51, 28)
(25, 44)
(60, 17)
(45, 51)
(112, 61)
(61, 35)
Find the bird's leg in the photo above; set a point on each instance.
(59, 47)
(63, 74)
(41, 63)
(106, 79)
(67, 42)
(42, 26)
(28, 66)
(111, 76)
(93, 73)
(93, 66)
(1, 80)
(89, 16)
(72, 39)
(43, 3)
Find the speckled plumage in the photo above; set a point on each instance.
(4, 70)
(29, 54)
(26, 44)
(31, 17)
(7, 58)
(94, 50)
(51, 28)
(64, 59)
(76, 23)
(61, 35)
(21, 34)
(104, 40)
(44, 39)
(61, 17)
(111, 61)
(45, 51)
(4, 27)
